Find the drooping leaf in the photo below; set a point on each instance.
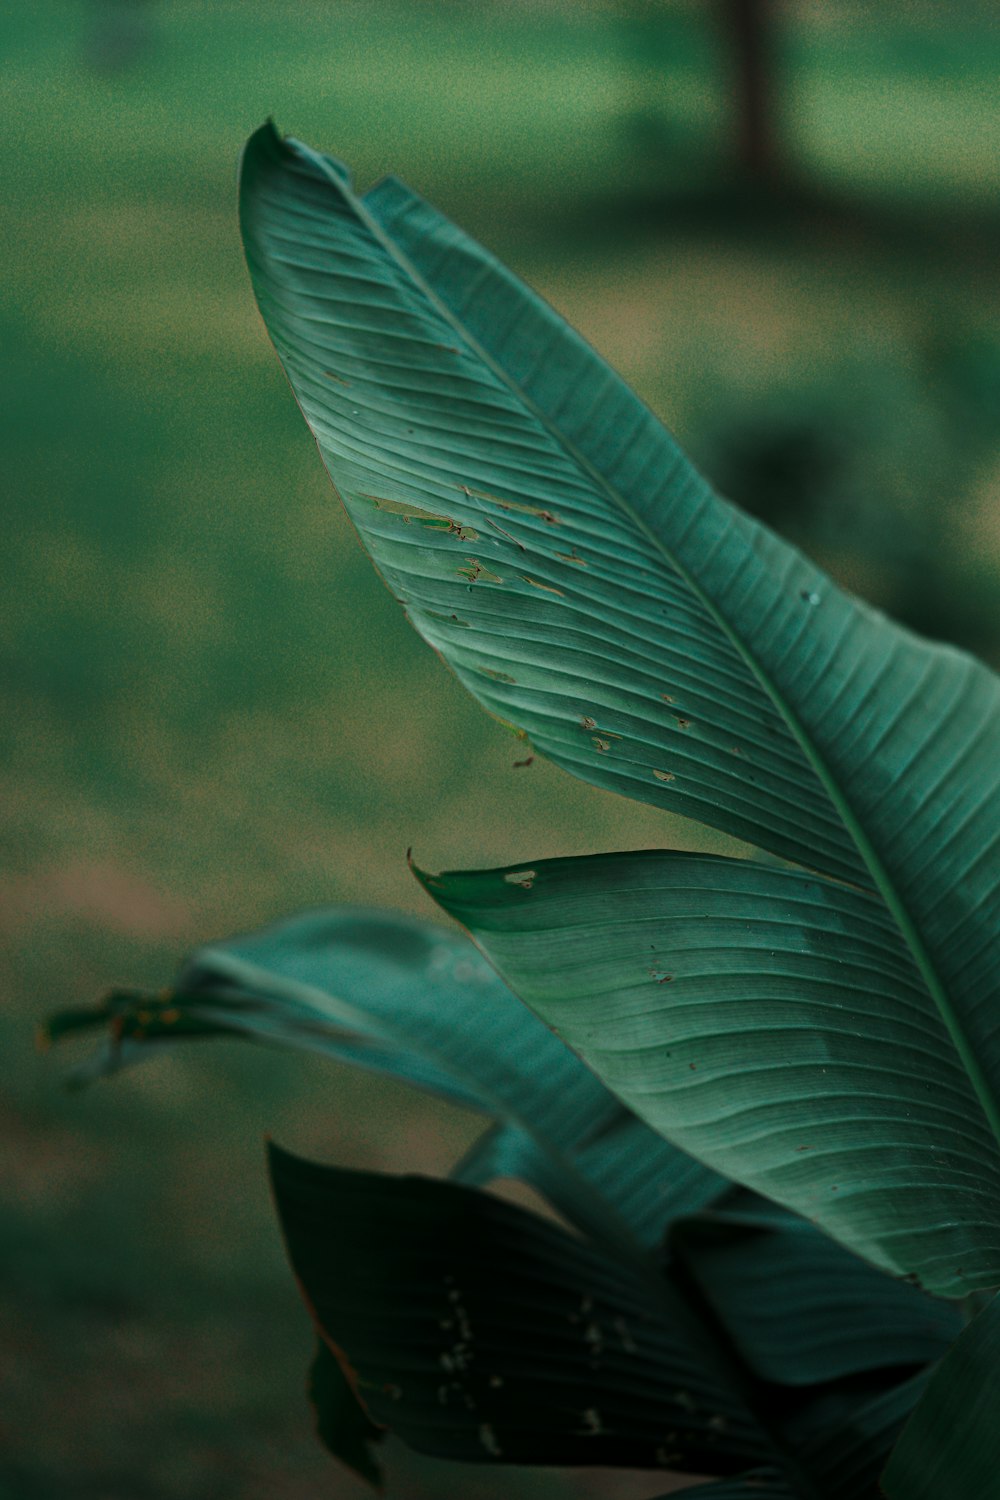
(951, 1444)
(479, 1331)
(416, 1000)
(342, 1424)
(761, 1018)
(590, 587)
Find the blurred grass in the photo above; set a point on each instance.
(212, 711)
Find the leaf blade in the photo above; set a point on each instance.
(762, 1019)
(869, 754)
(483, 1333)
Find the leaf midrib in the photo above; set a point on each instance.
(873, 862)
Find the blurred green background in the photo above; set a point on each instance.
(213, 713)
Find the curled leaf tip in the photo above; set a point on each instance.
(426, 877)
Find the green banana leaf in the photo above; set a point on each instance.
(951, 1444)
(548, 538)
(413, 999)
(476, 1330)
(762, 1018)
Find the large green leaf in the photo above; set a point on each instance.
(764, 1019)
(488, 461)
(547, 537)
(951, 1444)
(415, 1000)
(478, 1331)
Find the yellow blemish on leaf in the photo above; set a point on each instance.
(476, 570)
(428, 518)
(546, 586)
(524, 878)
(526, 510)
(664, 775)
(515, 730)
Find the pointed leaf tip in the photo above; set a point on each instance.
(426, 878)
(266, 147)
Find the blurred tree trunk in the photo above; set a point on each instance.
(750, 35)
(120, 35)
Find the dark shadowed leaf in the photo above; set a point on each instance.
(480, 1332)
(951, 1444)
